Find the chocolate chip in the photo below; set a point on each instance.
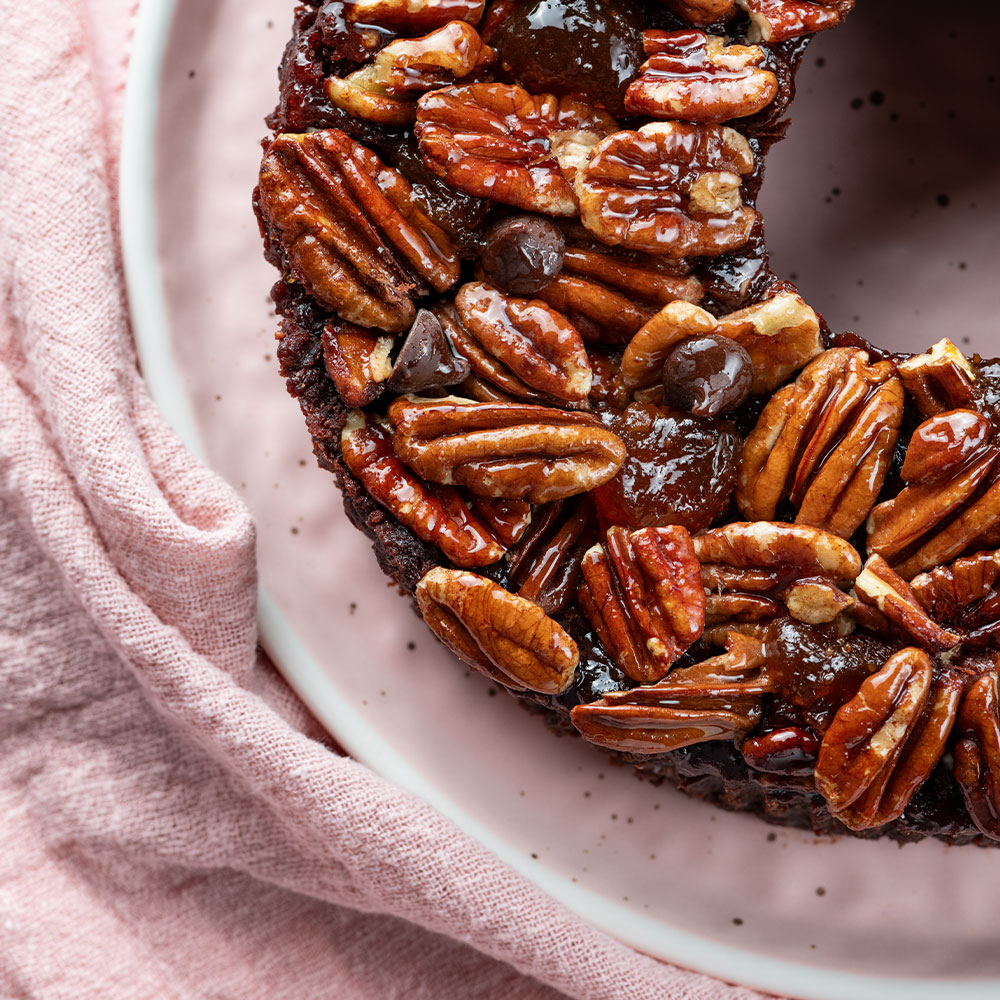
(708, 375)
(523, 254)
(426, 361)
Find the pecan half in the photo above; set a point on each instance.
(608, 295)
(642, 593)
(522, 346)
(780, 334)
(437, 514)
(879, 728)
(545, 566)
(701, 12)
(357, 362)
(879, 586)
(940, 380)
(778, 20)
(699, 78)
(385, 91)
(351, 229)
(719, 699)
(497, 141)
(825, 443)
(965, 594)
(746, 565)
(977, 754)
(511, 450)
(952, 505)
(508, 638)
(671, 188)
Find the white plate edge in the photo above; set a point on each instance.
(151, 328)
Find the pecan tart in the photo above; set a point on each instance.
(621, 467)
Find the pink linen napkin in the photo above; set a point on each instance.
(174, 822)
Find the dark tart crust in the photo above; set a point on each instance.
(796, 616)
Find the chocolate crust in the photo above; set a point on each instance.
(713, 772)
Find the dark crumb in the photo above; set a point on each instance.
(191, 74)
(820, 891)
(876, 97)
(411, 646)
(492, 692)
(857, 103)
(772, 837)
(738, 921)
(535, 856)
(295, 531)
(352, 607)
(943, 200)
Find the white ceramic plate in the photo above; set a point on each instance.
(852, 202)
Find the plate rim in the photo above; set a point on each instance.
(151, 328)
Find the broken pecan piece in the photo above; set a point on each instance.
(965, 594)
(886, 740)
(780, 334)
(940, 380)
(642, 593)
(523, 346)
(511, 450)
(497, 141)
(385, 91)
(508, 638)
(825, 443)
(671, 188)
(718, 699)
(778, 20)
(879, 586)
(744, 565)
(357, 362)
(977, 754)
(437, 514)
(700, 78)
(351, 229)
(701, 12)
(934, 520)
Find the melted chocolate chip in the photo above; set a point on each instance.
(425, 360)
(590, 48)
(708, 375)
(523, 254)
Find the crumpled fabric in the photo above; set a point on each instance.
(174, 822)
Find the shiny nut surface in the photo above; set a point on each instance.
(696, 77)
(511, 450)
(671, 188)
(351, 229)
(779, 20)
(507, 637)
(497, 141)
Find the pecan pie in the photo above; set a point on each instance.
(623, 469)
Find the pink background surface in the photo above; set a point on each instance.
(879, 255)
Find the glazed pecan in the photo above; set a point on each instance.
(780, 334)
(497, 141)
(608, 295)
(977, 754)
(940, 380)
(879, 586)
(357, 362)
(437, 514)
(701, 12)
(965, 594)
(778, 20)
(412, 15)
(522, 346)
(746, 566)
(545, 566)
(952, 504)
(718, 699)
(885, 741)
(508, 638)
(509, 520)
(671, 188)
(386, 90)
(824, 442)
(351, 229)
(511, 450)
(699, 78)
(790, 750)
(642, 593)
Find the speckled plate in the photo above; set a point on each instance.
(881, 205)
